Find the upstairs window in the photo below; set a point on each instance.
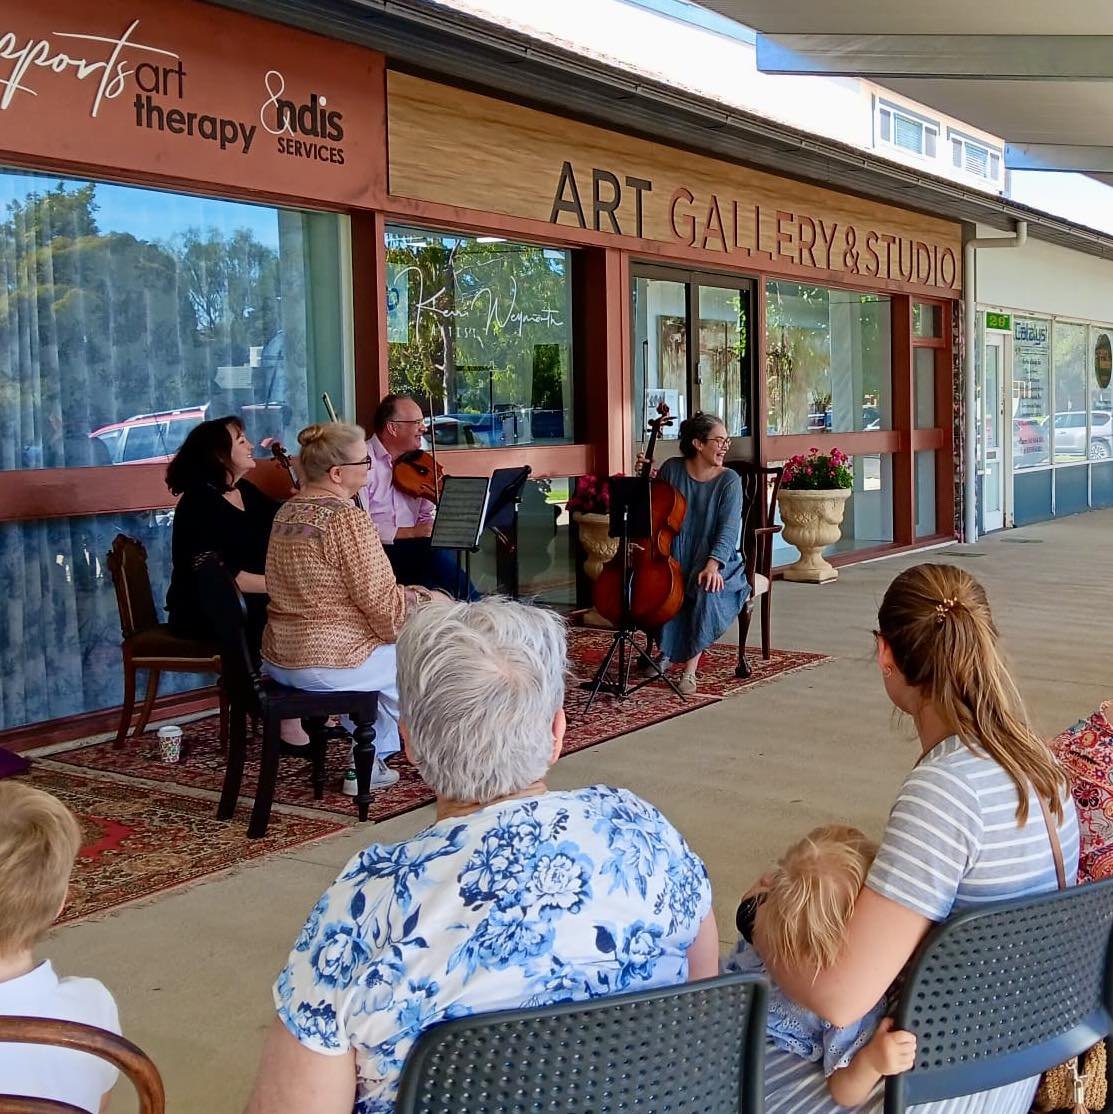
(900, 127)
(975, 158)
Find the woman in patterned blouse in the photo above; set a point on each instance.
(335, 608)
(515, 895)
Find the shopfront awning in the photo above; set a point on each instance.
(1039, 75)
(435, 41)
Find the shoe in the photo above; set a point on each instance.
(646, 670)
(687, 684)
(295, 750)
(382, 777)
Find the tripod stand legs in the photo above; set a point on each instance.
(621, 687)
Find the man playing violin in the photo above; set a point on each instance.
(405, 522)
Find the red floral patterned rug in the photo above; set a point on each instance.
(202, 765)
(141, 841)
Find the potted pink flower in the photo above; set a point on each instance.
(590, 506)
(814, 489)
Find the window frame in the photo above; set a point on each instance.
(994, 156)
(927, 124)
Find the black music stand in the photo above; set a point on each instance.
(460, 514)
(507, 485)
(630, 517)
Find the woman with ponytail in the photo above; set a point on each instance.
(968, 826)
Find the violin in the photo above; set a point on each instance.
(657, 581)
(283, 457)
(417, 473)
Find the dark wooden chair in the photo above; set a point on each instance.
(759, 504)
(117, 1050)
(252, 694)
(148, 644)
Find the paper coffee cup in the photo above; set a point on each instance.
(170, 743)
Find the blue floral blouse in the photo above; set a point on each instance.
(565, 896)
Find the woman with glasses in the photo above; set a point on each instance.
(335, 606)
(706, 547)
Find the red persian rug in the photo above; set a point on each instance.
(202, 766)
(140, 841)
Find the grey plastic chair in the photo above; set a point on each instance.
(1000, 994)
(691, 1049)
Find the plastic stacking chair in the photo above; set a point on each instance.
(690, 1049)
(148, 644)
(130, 1059)
(1000, 994)
(759, 507)
(252, 694)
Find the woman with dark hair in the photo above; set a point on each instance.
(706, 547)
(218, 512)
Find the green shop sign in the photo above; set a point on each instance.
(999, 321)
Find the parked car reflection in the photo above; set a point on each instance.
(1072, 440)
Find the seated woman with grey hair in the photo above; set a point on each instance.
(516, 895)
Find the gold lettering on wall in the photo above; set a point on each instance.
(459, 148)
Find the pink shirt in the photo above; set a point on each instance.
(388, 507)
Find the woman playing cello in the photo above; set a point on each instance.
(706, 545)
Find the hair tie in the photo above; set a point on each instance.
(945, 606)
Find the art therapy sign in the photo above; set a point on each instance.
(464, 149)
(192, 92)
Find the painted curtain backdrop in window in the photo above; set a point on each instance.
(127, 316)
(480, 332)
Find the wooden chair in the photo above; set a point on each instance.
(148, 644)
(251, 693)
(129, 1058)
(759, 504)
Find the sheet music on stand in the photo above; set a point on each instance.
(460, 513)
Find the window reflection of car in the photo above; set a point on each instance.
(145, 438)
(871, 418)
(1071, 438)
(1030, 442)
(493, 429)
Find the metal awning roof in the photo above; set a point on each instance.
(439, 42)
(1039, 75)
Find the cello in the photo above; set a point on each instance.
(656, 578)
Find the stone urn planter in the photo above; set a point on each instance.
(600, 548)
(812, 521)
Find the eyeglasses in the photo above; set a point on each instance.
(722, 442)
(408, 421)
(366, 461)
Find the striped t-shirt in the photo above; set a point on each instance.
(952, 842)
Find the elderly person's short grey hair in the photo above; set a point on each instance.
(480, 684)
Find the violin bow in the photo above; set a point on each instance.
(433, 448)
(330, 410)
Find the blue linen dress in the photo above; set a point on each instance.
(712, 528)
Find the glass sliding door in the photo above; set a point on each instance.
(692, 349)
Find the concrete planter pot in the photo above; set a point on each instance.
(600, 548)
(812, 521)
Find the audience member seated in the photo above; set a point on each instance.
(335, 607)
(515, 895)
(968, 825)
(806, 905)
(39, 840)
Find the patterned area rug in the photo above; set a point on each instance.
(140, 841)
(202, 765)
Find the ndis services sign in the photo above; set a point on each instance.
(188, 91)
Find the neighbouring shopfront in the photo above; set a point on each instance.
(1045, 406)
(202, 212)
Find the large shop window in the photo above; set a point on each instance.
(828, 360)
(1070, 428)
(480, 333)
(127, 317)
(1101, 396)
(1031, 393)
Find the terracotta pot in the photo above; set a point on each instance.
(600, 548)
(812, 521)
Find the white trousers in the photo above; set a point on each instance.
(379, 673)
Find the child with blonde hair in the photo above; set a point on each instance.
(39, 841)
(801, 912)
